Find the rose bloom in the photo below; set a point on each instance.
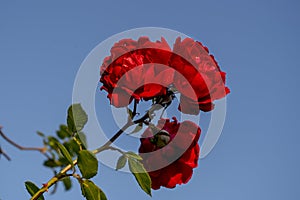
(136, 70)
(171, 153)
(198, 76)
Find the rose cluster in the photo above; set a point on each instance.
(145, 70)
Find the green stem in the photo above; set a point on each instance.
(53, 181)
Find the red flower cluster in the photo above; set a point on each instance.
(147, 70)
(143, 70)
(175, 147)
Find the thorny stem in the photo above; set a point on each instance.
(53, 181)
(105, 146)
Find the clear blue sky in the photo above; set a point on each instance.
(43, 43)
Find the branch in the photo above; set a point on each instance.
(115, 149)
(53, 181)
(22, 148)
(105, 146)
(109, 142)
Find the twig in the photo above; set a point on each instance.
(109, 142)
(4, 154)
(40, 149)
(115, 149)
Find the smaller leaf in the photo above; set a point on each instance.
(137, 128)
(140, 174)
(121, 162)
(67, 183)
(90, 191)
(87, 164)
(72, 146)
(65, 153)
(52, 142)
(134, 155)
(32, 189)
(63, 161)
(52, 163)
(77, 118)
(40, 134)
(63, 132)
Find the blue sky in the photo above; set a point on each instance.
(43, 43)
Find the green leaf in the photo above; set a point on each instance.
(87, 164)
(102, 195)
(72, 146)
(81, 136)
(52, 142)
(121, 162)
(91, 191)
(40, 134)
(32, 189)
(77, 118)
(137, 128)
(140, 174)
(52, 163)
(65, 153)
(134, 155)
(67, 183)
(63, 132)
(63, 161)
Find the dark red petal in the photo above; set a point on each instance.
(191, 157)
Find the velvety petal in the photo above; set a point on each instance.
(191, 156)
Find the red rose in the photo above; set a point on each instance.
(136, 70)
(198, 77)
(175, 147)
